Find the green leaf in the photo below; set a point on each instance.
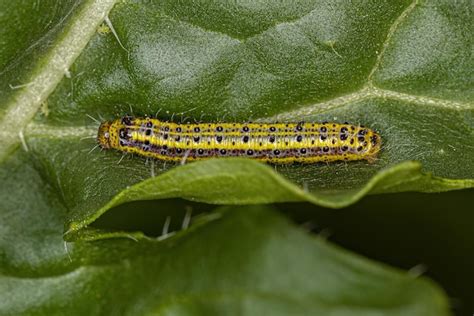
(401, 67)
(311, 60)
(239, 260)
(429, 233)
(239, 181)
(40, 41)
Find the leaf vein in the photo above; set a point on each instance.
(28, 101)
(391, 31)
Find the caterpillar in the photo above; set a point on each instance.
(277, 143)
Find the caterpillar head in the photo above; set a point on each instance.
(103, 136)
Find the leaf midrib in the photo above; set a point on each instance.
(71, 43)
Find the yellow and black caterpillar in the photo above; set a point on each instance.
(277, 143)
